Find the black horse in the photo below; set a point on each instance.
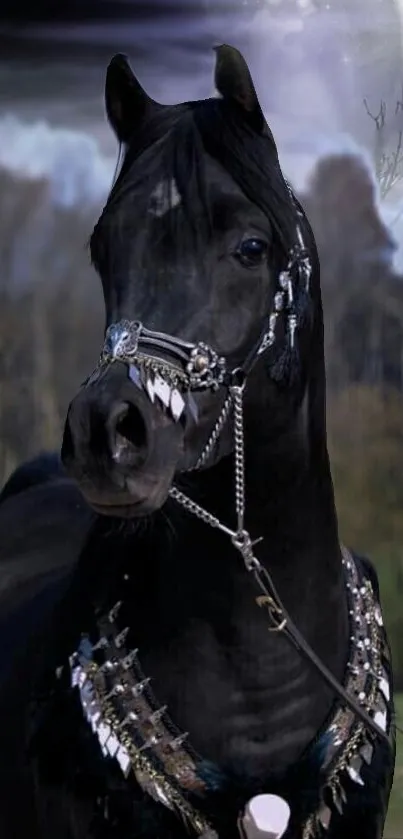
(147, 695)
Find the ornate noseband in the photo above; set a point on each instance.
(196, 365)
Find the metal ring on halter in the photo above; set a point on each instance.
(275, 613)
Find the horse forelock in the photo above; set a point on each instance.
(167, 157)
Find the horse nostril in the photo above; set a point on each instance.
(127, 435)
(131, 427)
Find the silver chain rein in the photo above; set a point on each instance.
(240, 537)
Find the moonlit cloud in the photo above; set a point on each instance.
(313, 62)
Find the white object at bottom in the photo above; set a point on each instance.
(265, 817)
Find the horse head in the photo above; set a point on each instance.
(209, 270)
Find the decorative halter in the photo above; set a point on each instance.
(171, 378)
(188, 367)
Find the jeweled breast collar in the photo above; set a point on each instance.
(132, 726)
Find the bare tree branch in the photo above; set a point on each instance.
(388, 164)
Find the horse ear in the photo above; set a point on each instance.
(125, 100)
(234, 82)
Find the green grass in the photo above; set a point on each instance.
(394, 823)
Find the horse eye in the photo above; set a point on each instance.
(252, 251)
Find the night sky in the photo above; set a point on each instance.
(74, 10)
(23, 12)
(94, 28)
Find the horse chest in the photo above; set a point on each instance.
(246, 705)
(241, 693)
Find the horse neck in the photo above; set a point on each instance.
(289, 499)
(289, 506)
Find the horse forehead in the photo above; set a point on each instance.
(164, 197)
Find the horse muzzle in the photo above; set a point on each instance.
(120, 447)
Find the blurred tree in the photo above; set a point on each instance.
(50, 316)
(363, 296)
